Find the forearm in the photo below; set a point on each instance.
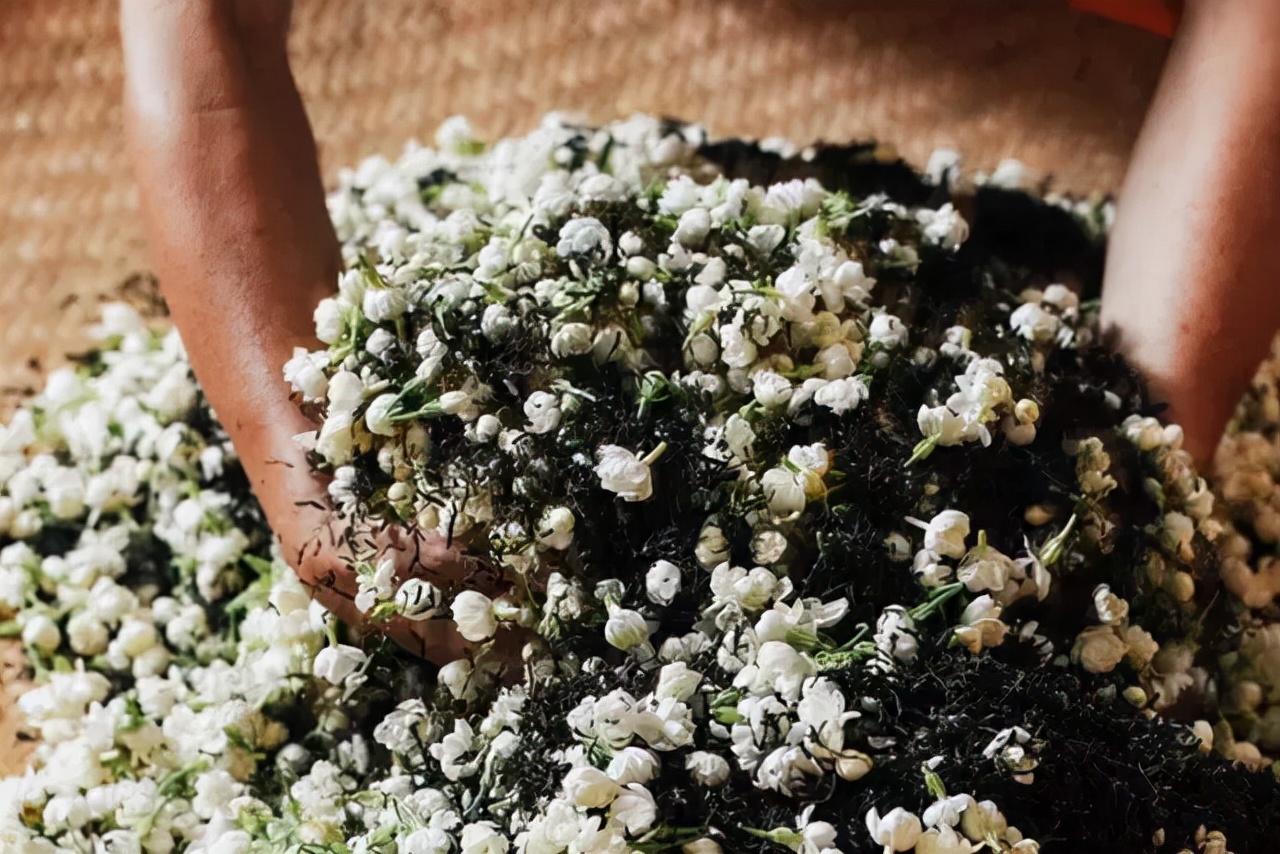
(234, 207)
(1191, 280)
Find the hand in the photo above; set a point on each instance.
(231, 193)
(322, 560)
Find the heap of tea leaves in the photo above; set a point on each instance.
(826, 521)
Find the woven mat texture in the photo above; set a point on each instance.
(992, 78)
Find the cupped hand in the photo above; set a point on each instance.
(323, 548)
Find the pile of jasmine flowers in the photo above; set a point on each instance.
(822, 518)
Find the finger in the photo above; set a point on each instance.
(325, 564)
(437, 641)
(326, 571)
(334, 586)
(420, 553)
(319, 564)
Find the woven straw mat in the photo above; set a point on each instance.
(991, 78)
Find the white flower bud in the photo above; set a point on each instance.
(1061, 297)
(707, 769)
(86, 635)
(838, 360)
(555, 531)
(701, 846)
(486, 427)
(941, 422)
(416, 598)
(1145, 433)
(770, 388)
(942, 840)
(713, 273)
(898, 830)
(136, 637)
(1177, 533)
(888, 331)
(740, 437)
(572, 339)
(42, 634)
(335, 663)
(473, 612)
(693, 228)
(335, 440)
(497, 322)
(624, 472)
(455, 677)
(635, 809)
(380, 343)
(630, 243)
(981, 820)
(378, 416)
(853, 765)
(768, 547)
(945, 227)
(625, 628)
(305, 375)
(640, 267)
(329, 320)
(633, 765)
(784, 490)
(895, 635)
(482, 838)
(1183, 586)
(66, 811)
(712, 549)
(381, 304)
(590, 787)
(677, 682)
(64, 490)
(543, 411)
(454, 402)
(946, 534)
(1033, 323)
(1099, 649)
(703, 349)
(582, 236)
(628, 294)
(841, 396)
(662, 582)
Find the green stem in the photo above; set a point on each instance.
(1056, 547)
(922, 450)
(934, 783)
(940, 597)
(654, 455)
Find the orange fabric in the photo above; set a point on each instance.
(1159, 16)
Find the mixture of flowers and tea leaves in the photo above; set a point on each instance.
(825, 520)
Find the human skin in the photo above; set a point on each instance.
(239, 234)
(1191, 288)
(233, 201)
